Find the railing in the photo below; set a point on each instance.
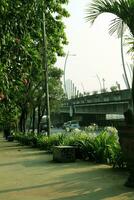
(110, 102)
(103, 97)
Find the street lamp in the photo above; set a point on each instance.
(99, 82)
(65, 64)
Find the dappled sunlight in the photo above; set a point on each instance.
(31, 174)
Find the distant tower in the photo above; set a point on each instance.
(70, 89)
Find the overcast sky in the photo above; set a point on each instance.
(97, 53)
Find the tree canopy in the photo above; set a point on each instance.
(21, 72)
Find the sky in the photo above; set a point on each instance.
(97, 54)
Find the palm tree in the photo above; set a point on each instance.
(124, 17)
(122, 56)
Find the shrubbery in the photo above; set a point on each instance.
(101, 148)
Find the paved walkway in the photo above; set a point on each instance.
(30, 174)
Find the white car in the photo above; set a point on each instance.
(71, 125)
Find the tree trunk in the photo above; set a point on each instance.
(133, 91)
(20, 123)
(30, 122)
(39, 119)
(23, 120)
(33, 126)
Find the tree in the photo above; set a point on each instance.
(113, 88)
(21, 72)
(123, 9)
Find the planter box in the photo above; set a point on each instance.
(64, 154)
(10, 138)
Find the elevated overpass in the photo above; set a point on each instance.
(96, 108)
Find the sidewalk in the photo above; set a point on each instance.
(30, 174)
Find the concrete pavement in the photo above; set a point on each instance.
(30, 174)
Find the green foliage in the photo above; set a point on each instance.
(113, 88)
(111, 130)
(120, 8)
(26, 139)
(92, 128)
(124, 15)
(101, 148)
(21, 71)
(55, 140)
(42, 142)
(47, 143)
(84, 144)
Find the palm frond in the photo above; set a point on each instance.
(123, 9)
(96, 8)
(130, 42)
(117, 26)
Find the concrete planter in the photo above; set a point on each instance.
(64, 154)
(10, 138)
(126, 138)
(6, 132)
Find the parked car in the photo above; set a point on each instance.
(71, 125)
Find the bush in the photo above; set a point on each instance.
(42, 142)
(26, 139)
(47, 143)
(101, 148)
(104, 144)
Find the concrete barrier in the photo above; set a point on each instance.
(64, 154)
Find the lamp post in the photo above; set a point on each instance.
(45, 67)
(99, 82)
(65, 64)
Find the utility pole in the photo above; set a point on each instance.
(45, 67)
